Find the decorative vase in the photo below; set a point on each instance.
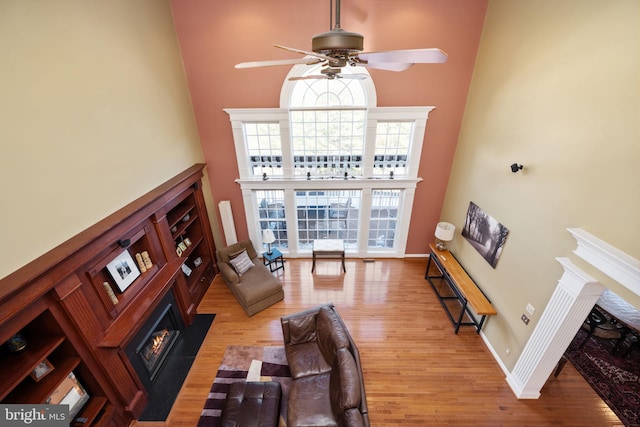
(16, 343)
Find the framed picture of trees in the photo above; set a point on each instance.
(484, 233)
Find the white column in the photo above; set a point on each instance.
(618, 265)
(570, 304)
(228, 225)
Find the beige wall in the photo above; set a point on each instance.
(556, 88)
(95, 112)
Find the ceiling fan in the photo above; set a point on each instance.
(338, 48)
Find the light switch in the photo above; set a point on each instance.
(530, 309)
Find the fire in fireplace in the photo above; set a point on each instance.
(154, 348)
(153, 343)
(158, 344)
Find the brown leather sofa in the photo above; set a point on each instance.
(328, 387)
(252, 404)
(255, 289)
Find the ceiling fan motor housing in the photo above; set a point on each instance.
(337, 41)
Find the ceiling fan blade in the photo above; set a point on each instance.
(313, 77)
(304, 52)
(388, 66)
(308, 61)
(407, 56)
(357, 76)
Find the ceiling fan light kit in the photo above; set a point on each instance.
(338, 48)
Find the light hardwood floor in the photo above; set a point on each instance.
(417, 372)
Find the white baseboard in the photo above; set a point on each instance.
(494, 353)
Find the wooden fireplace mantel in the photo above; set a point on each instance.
(63, 302)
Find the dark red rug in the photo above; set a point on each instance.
(615, 379)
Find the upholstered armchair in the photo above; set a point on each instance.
(253, 285)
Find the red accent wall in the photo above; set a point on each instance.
(215, 35)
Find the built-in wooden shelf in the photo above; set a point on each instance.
(37, 392)
(69, 317)
(15, 367)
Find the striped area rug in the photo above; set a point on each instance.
(246, 363)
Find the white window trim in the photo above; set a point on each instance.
(290, 184)
(367, 183)
(238, 116)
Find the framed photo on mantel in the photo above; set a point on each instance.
(123, 270)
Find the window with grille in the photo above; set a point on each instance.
(384, 218)
(327, 215)
(328, 143)
(329, 164)
(328, 93)
(264, 148)
(271, 214)
(393, 142)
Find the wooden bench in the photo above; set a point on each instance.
(328, 248)
(452, 284)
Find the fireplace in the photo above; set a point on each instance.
(153, 350)
(150, 347)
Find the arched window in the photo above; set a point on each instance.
(329, 164)
(328, 119)
(354, 89)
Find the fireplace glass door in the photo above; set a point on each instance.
(154, 349)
